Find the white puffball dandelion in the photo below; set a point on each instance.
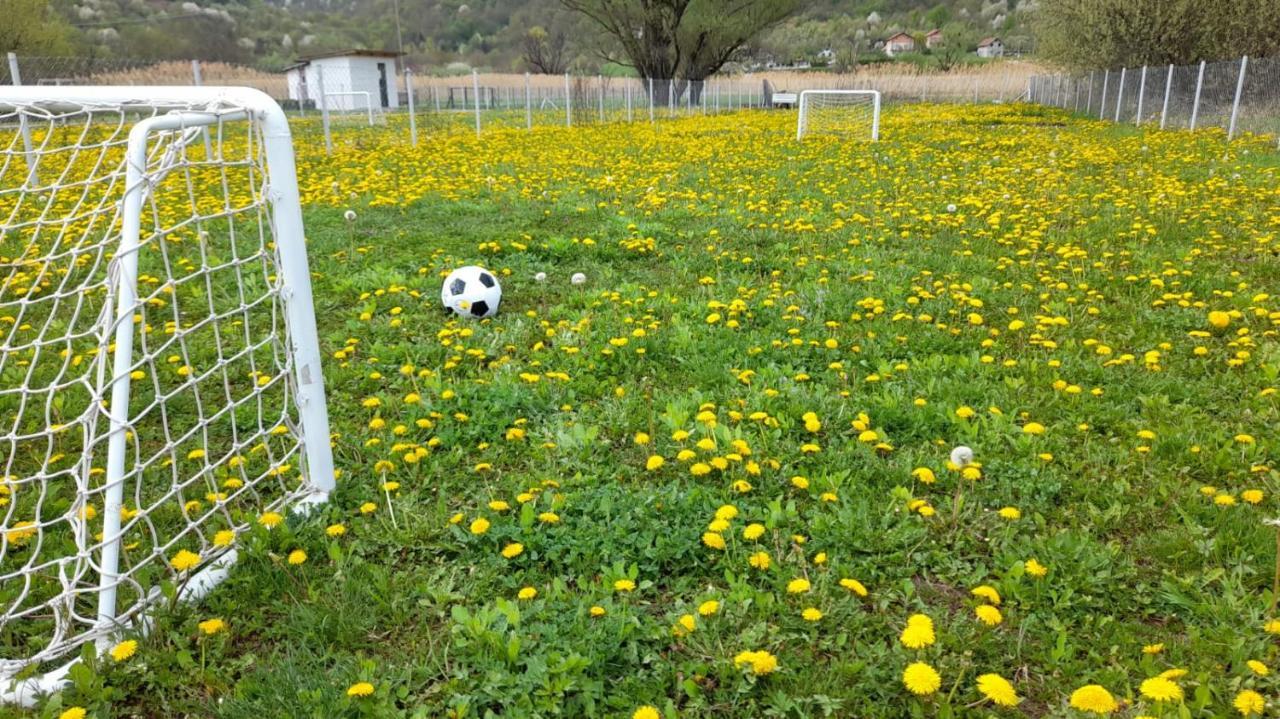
(951, 207)
(350, 215)
(961, 456)
(540, 277)
(578, 278)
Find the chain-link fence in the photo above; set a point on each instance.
(1238, 96)
(373, 93)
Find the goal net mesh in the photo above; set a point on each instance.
(212, 440)
(846, 113)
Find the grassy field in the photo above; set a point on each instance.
(714, 480)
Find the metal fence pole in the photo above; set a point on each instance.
(528, 104)
(1164, 106)
(475, 86)
(650, 101)
(1195, 104)
(1120, 94)
(1235, 106)
(197, 79)
(435, 97)
(629, 115)
(1142, 88)
(1088, 105)
(568, 103)
(600, 81)
(413, 117)
(16, 78)
(671, 96)
(1102, 106)
(324, 111)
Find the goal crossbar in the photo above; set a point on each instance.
(854, 98)
(162, 126)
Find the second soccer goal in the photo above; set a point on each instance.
(850, 113)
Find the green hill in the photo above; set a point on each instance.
(480, 33)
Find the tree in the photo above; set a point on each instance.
(1109, 33)
(545, 52)
(685, 39)
(714, 30)
(30, 28)
(958, 40)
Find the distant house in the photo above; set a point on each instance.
(899, 43)
(990, 47)
(827, 55)
(352, 80)
(933, 39)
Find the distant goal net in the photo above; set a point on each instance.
(160, 384)
(848, 113)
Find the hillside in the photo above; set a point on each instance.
(483, 33)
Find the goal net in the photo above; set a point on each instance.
(160, 385)
(849, 113)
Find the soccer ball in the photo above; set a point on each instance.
(471, 292)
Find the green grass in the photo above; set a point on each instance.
(1130, 238)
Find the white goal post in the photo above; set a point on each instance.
(846, 112)
(345, 102)
(160, 378)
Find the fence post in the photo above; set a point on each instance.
(650, 101)
(324, 111)
(1120, 94)
(671, 96)
(413, 117)
(1102, 106)
(600, 82)
(475, 87)
(568, 103)
(197, 79)
(1142, 88)
(1195, 104)
(16, 78)
(529, 105)
(1088, 105)
(629, 116)
(1235, 106)
(1164, 108)
(435, 97)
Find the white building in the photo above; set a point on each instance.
(353, 80)
(990, 47)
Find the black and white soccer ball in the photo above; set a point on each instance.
(471, 291)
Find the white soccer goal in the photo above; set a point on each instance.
(160, 383)
(853, 113)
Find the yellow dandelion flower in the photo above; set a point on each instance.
(921, 679)
(1094, 699)
(124, 650)
(998, 690)
(360, 689)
